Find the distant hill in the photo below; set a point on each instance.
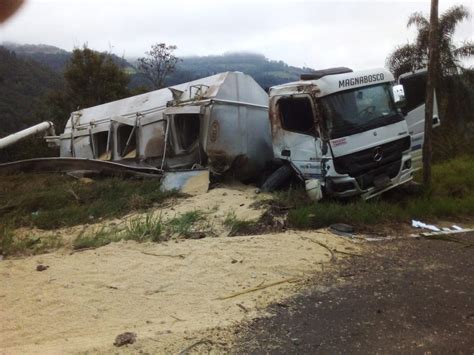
(266, 72)
(22, 83)
(52, 57)
(29, 71)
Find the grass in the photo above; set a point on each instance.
(11, 245)
(46, 201)
(150, 228)
(138, 229)
(237, 226)
(451, 196)
(95, 239)
(183, 225)
(50, 201)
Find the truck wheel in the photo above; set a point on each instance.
(277, 178)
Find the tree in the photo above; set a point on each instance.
(433, 66)
(455, 93)
(414, 56)
(158, 64)
(92, 78)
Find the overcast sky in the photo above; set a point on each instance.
(316, 34)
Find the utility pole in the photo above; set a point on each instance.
(430, 87)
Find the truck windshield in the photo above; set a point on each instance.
(358, 110)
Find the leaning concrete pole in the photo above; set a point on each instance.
(31, 131)
(430, 86)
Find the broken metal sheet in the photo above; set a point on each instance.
(65, 165)
(191, 182)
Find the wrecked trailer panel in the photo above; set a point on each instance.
(85, 166)
(220, 122)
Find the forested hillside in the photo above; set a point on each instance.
(28, 72)
(22, 83)
(266, 72)
(52, 57)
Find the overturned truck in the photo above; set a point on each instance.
(343, 133)
(219, 122)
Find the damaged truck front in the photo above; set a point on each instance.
(343, 132)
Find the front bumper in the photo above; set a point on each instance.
(343, 186)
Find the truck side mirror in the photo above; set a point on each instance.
(399, 96)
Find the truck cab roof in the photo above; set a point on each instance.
(329, 83)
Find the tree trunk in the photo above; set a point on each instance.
(430, 86)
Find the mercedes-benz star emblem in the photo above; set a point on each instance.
(378, 154)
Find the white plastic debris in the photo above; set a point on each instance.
(435, 230)
(419, 224)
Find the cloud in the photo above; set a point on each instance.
(312, 33)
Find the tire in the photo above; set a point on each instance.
(277, 178)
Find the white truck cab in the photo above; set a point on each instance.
(414, 86)
(343, 131)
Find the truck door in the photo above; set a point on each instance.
(295, 137)
(414, 85)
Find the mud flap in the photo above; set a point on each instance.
(192, 182)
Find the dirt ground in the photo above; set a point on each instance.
(405, 296)
(216, 205)
(169, 294)
(279, 292)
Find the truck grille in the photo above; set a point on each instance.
(365, 165)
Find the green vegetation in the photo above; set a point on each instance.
(412, 56)
(27, 244)
(22, 82)
(54, 201)
(93, 78)
(142, 230)
(237, 226)
(151, 228)
(182, 225)
(95, 239)
(455, 88)
(265, 72)
(452, 196)
(41, 82)
(49, 201)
